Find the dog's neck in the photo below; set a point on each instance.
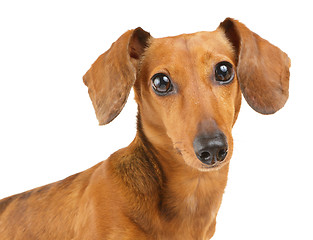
(185, 193)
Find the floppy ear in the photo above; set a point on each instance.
(112, 75)
(262, 68)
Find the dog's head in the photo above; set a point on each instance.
(188, 87)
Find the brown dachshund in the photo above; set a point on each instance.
(169, 182)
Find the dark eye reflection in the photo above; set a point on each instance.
(224, 72)
(161, 84)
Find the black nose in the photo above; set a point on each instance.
(211, 148)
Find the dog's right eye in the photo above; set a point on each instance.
(161, 84)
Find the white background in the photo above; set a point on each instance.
(48, 129)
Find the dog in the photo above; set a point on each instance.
(169, 182)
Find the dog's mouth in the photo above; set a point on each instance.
(214, 166)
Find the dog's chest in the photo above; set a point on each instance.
(190, 217)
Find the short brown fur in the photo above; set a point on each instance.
(156, 188)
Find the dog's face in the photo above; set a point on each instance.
(189, 96)
(189, 87)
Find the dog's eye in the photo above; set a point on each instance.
(161, 84)
(224, 72)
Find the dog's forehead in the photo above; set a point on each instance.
(192, 45)
(193, 51)
(187, 50)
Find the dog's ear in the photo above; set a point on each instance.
(262, 68)
(112, 75)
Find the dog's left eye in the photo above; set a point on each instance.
(161, 84)
(224, 72)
